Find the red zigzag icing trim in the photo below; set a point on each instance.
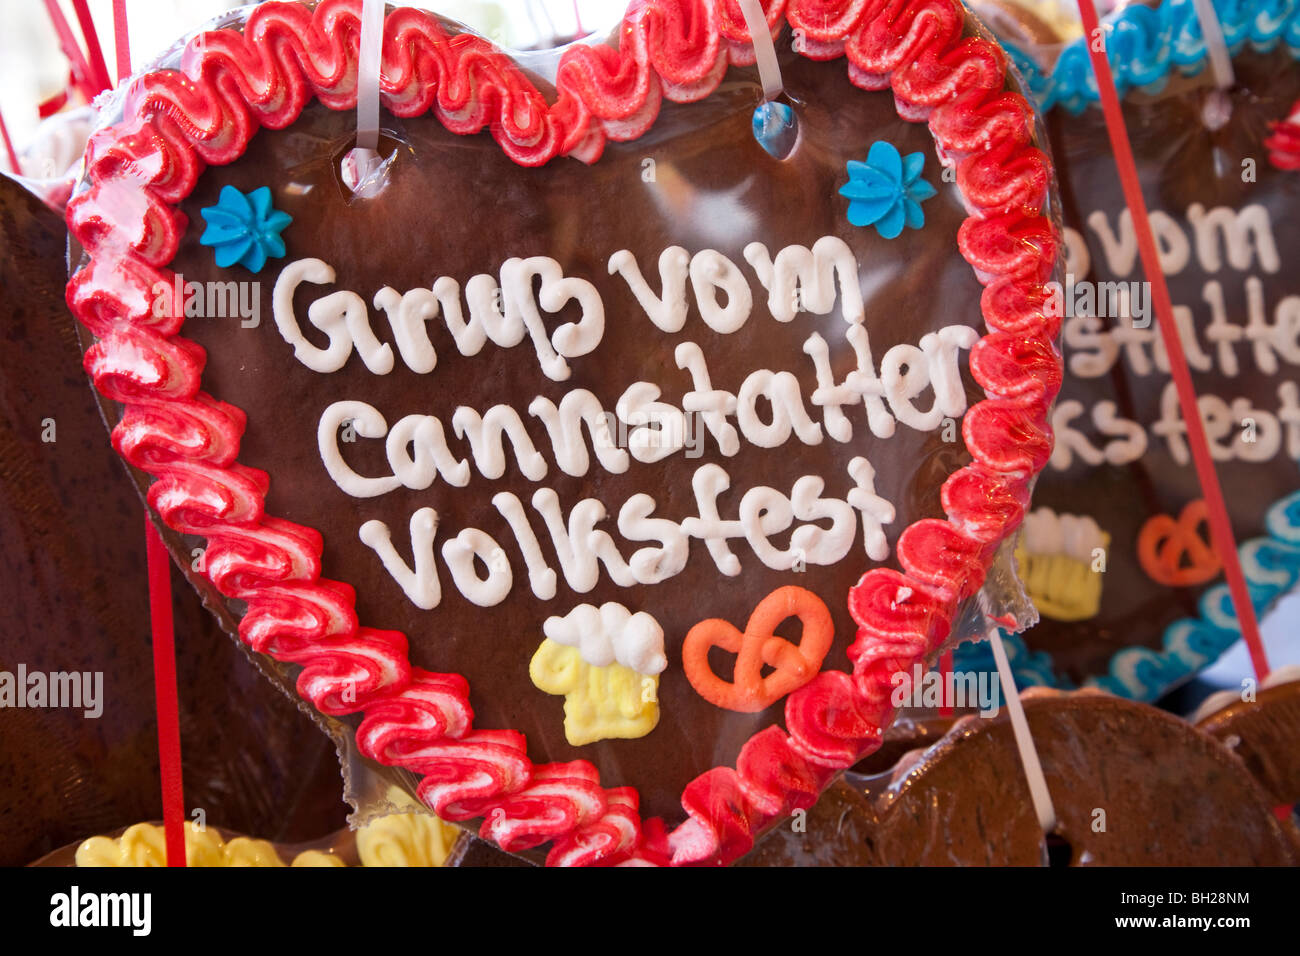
(1283, 142)
(233, 83)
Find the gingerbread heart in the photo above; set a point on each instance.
(473, 455)
(1223, 198)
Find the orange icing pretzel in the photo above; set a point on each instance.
(1164, 542)
(794, 664)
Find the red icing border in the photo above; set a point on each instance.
(1283, 142)
(127, 220)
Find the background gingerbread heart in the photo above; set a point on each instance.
(1132, 597)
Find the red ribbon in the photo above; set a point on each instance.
(121, 40)
(1220, 523)
(84, 78)
(163, 630)
(98, 68)
(9, 148)
(165, 698)
(945, 668)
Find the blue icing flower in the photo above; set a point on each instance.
(887, 190)
(244, 228)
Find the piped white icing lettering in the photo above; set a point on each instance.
(581, 549)
(464, 553)
(487, 433)
(342, 316)
(781, 389)
(420, 585)
(580, 545)
(831, 398)
(364, 420)
(764, 512)
(943, 355)
(876, 511)
(818, 545)
(1238, 236)
(407, 316)
(711, 273)
(767, 410)
(564, 424)
(712, 405)
(657, 429)
(571, 339)
(803, 279)
(431, 457)
(504, 313)
(652, 565)
(668, 310)
(865, 382)
(708, 483)
(1215, 338)
(540, 576)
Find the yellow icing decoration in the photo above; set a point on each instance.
(400, 839)
(1061, 587)
(146, 845)
(406, 839)
(599, 702)
(317, 858)
(243, 851)
(1063, 18)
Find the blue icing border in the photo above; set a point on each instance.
(1030, 668)
(1145, 44)
(1272, 569)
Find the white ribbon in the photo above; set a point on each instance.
(769, 73)
(362, 166)
(368, 61)
(1038, 792)
(1216, 47)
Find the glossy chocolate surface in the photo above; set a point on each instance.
(456, 206)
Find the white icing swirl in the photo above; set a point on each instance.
(609, 634)
(1048, 533)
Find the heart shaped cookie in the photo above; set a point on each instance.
(474, 455)
(1132, 600)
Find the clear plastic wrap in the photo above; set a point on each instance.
(594, 197)
(51, 163)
